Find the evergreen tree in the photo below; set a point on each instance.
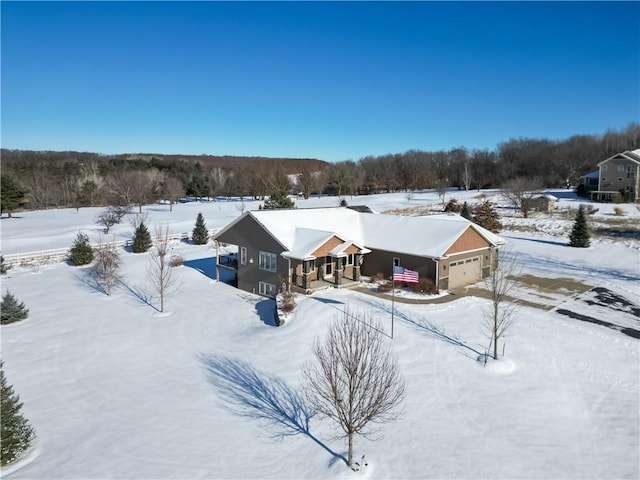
(580, 236)
(486, 216)
(3, 266)
(11, 310)
(11, 194)
(465, 213)
(200, 235)
(141, 239)
(278, 200)
(16, 431)
(81, 252)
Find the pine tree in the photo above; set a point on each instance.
(3, 266)
(278, 200)
(11, 194)
(487, 217)
(464, 212)
(81, 252)
(200, 235)
(141, 239)
(16, 431)
(11, 310)
(580, 236)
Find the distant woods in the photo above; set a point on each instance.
(79, 179)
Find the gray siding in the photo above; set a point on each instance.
(380, 261)
(250, 234)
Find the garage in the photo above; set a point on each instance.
(465, 271)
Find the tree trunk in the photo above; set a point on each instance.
(495, 343)
(350, 457)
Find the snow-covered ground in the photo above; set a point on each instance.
(115, 389)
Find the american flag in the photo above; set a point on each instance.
(401, 274)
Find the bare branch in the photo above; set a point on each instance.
(355, 380)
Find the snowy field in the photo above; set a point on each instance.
(115, 389)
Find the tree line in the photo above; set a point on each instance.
(43, 179)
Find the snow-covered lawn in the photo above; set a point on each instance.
(115, 389)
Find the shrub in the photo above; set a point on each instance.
(176, 260)
(288, 302)
(11, 310)
(378, 277)
(619, 212)
(3, 266)
(385, 287)
(425, 285)
(81, 252)
(343, 203)
(453, 206)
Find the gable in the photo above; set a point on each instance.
(628, 158)
(469, 240)
(327, 247)
(247, 231)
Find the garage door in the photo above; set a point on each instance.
(464, 272)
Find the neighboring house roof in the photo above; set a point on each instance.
(547, 196)
(301, 231)
(632, 155)
(594, 174)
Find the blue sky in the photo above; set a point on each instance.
(332, 80)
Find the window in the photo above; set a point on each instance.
(243, 255)
(350, 259)
(621, 168)
(267, 289)
(396, 262)
(267, 261)
(328, 266)
(308, 266)
(604, 167)
(630, 171)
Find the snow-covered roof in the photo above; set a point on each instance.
(594, 174)
(547, 196)
(302, 231)
(632, 155)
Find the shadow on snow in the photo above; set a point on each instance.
(246, 392)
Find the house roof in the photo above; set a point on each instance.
(302, 231)
(594, 174)
(632, 155)
(547, 196)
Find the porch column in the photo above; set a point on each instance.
(338, 271)
(217, 261)
(356, 267)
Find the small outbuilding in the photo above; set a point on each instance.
(543, 203)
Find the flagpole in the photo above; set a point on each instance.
(393, 298)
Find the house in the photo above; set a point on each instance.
(309, 248)
(619, 176)
(543, 203)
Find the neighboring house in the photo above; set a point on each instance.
(543, 203)
(588, 183)
(620, 173)
(310, 248)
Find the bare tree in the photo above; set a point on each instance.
(111, 216)
(106, 269)
(520, 191)
(499, 317)
(173, 189)
(159, 272)
(355, 379)
(441, 188)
